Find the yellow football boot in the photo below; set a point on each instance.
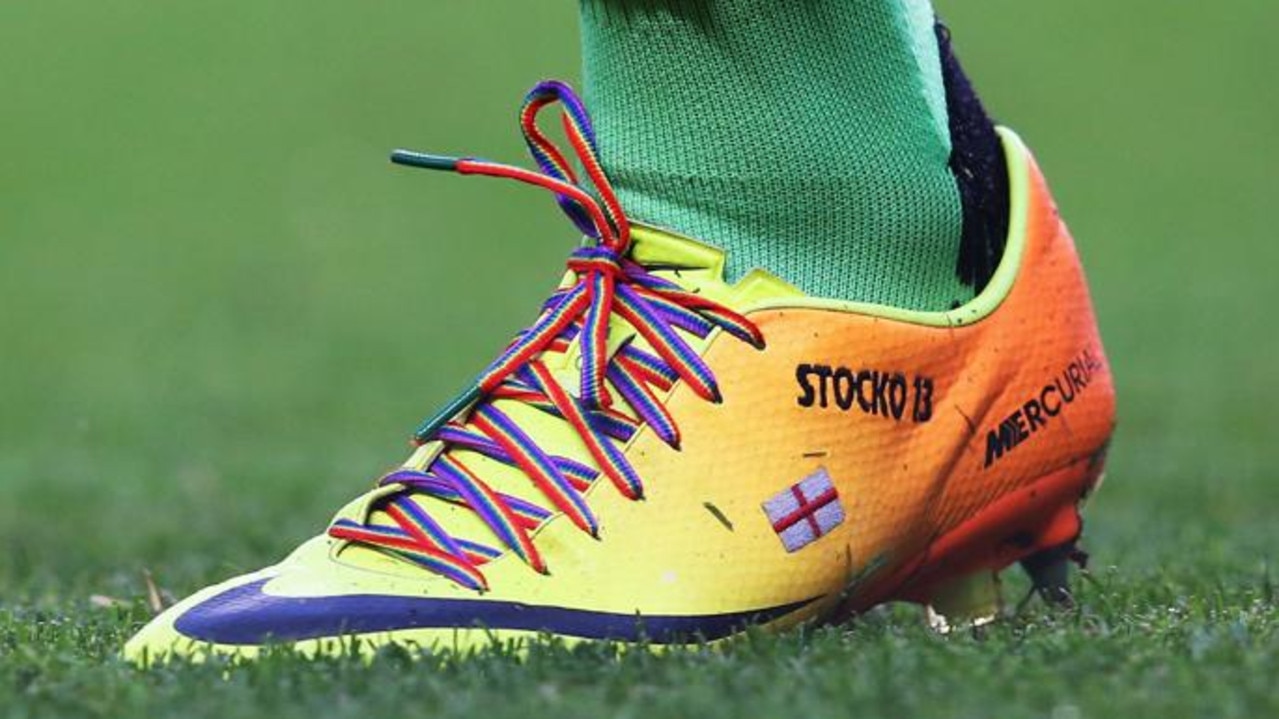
(664, 457)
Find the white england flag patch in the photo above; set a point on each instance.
(803, 512)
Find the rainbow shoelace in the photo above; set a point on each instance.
(607, 283)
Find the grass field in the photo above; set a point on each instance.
(221, 312)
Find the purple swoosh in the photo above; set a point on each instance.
(247, 615)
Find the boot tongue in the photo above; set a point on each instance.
(694, 266)
(699, 268)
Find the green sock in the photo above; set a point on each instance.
(808, 137)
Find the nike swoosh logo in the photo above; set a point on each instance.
(247, 615)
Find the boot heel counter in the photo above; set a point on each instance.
(1056, 377)
(1094, 368)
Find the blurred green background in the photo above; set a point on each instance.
(222, 311)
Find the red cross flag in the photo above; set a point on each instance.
(803, 512)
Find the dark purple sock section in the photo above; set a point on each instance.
(977, 161)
